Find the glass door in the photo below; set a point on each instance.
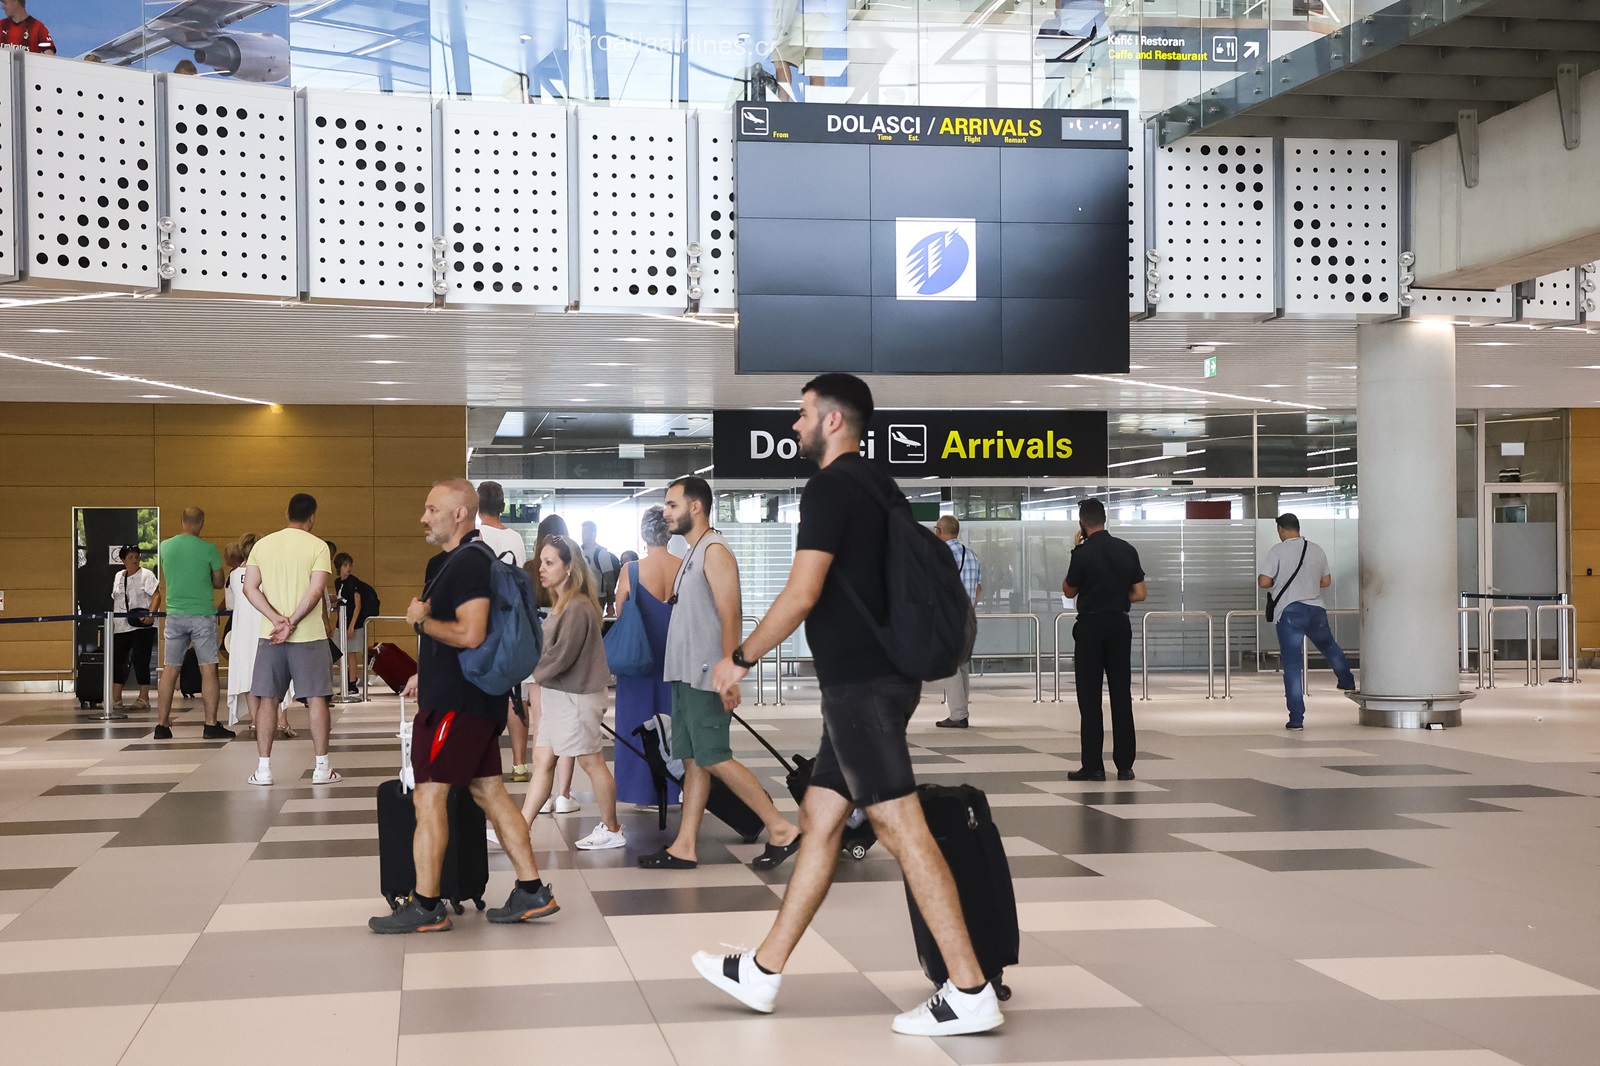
(1525, 548)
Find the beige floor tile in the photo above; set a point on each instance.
(636, 1045)
(658, 946)
(1448, 977)
(1169, 810)
(1025, 799)
(1032, 988)
(1470, 1057)
(49, 850)
(72, 808)
(6, 919)
(165, 769)
(1075, 915)
(17, 765)
(1311, 753)
(722, 875)
(300, 914)
(1063, 787)
(1187, 1060)
(513, 966)
(71, 1036)
(359, 831)
(95, 953)
(327, 803)
(1017, 847)
(351, 1029)
(779, 1041)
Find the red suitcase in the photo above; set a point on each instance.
(392, 663)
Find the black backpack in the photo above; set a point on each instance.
(932, 623)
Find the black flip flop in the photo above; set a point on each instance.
(774, 854)
(665, 860)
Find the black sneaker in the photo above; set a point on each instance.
(1124, 775)
(413, 917)
(217, 731)
(162, 733)
(951, 723)
(523, 906)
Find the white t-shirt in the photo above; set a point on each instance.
(505, 540)
(1282, 558)
(128, 593)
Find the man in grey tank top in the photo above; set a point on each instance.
(706, 625)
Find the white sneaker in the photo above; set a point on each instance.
(601, 839)
(332, 777)
(261, 777)
(951, 1012)
(739, 976)
(567, 805)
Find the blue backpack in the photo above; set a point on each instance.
(515, 640)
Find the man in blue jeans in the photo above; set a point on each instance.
(1296, 572)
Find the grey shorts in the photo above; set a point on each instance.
(308, 664)
(184, 630)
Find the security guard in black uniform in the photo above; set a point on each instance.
(1106, 578)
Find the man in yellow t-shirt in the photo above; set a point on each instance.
(285, 578)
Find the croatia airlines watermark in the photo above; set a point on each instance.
(937, 257)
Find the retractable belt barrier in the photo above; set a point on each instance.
(1144, 649)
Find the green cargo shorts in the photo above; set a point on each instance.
(699, 726)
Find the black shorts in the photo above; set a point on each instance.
(864, 756)
(454, 748)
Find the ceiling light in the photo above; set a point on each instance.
(390, 399)
(613, 365)
(1494, 344)
(1202, 349)
(378, 336)
(108, 375)
(597, 384)
(1497, 386)
(1016, 401)
(1272, 386)
(153, 396)
(1069, 386)
(577, 399)
(388, 383)
(88, 358)
(524, 37)
(50, 331)
(384, 362)
(1202, 392)
(62, 299)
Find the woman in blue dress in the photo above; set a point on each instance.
(649, 584)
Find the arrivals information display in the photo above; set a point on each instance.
(915, 444)
(931, 240)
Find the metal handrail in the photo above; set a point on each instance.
(1056, 653)
(761, 671)
(366, 680)
(1038, 650)
(1144, 649)
(1566, 647)
(1227, 648)
(1527, 612)
(1475, 612)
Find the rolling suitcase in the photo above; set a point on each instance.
(859, 836)
(464, 874)
(958, 816)
(392, 663)
(722, 802)
(89, 679)
(189, 675)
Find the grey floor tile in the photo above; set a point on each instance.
(523, 1007)
(1299, 1027)
(1561, 1031)
(113, 789)
(1390, 770)
(15, 880)
(288, 962)
(686, 900)
(315, 849)
(203, 818)
(830, 995)
(1041, 1036)
(82, 988)
(1325, 859)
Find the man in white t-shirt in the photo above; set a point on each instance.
(493, 532)
(1296, 571)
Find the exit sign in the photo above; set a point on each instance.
(1211, 366)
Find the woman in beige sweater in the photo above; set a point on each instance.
(572, 676)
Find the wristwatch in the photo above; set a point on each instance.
(739, 660)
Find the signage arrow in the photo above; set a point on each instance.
(1252, 49)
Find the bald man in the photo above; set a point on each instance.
(455, 739)
(191, 572)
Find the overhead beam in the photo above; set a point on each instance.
(1483, 63)
(1374, 109)
(1251, 125)
(1523, 35)
(1431, 86)
(1580, 10)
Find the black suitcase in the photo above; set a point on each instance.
(858, 837)
(722, 802)
(189, 675)
(959, 819)
(89, 679)
(464, 873)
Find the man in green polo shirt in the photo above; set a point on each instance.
(191, 572)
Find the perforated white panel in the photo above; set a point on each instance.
(91, 148)
(231, 187)
(1553, 298)
(1214, 225)
(631, 185)
(8, 166)
(369, 197)
(1341, 212)
(1136, 223)
(718, 265)
(505, 203)
(1463, 304)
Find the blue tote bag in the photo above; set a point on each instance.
(628, 651)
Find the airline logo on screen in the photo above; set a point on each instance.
(937, 257)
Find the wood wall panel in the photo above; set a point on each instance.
(240, 463)
(1583, 504)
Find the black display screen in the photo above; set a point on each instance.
(925, 240)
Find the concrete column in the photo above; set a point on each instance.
(1405, 425)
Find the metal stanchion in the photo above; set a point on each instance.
(1227, 649)
(1144, 649)
(1477, 613)
(1566, 614)
(1056, 637)
(1461, 624)
(1527, 613)
(1038, 650)
(107, 678)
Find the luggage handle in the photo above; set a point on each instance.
(661, 797)
(785, 763)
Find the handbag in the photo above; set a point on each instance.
(1272, 604)
(627, 645)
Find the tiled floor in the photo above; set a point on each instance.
(1341, 897)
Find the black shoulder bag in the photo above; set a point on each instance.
(1272, 604)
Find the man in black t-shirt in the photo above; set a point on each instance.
(863, 760)
(455, 738)
(1107, 579)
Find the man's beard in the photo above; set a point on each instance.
(814, 447)
(437, 537)
(683, 526)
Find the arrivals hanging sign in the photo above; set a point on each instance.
(911, 444)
